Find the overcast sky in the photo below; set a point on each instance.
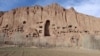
(90, 7)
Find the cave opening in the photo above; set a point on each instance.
(24, 22)
(46, 28)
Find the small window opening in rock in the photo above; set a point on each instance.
(27, 12)
(64, 9)
(24, 22)
(72, 38)
(85, 31)
(6, 42)
(58, 27)
(34, 35)
(75, 27)
(70, 31)
(6, 26)
(69, 26)
(14, 12)
(40, 26)
(41, 8)
(27, 36)
(34, 12)
(5, 29)
(40, 31)
(58, 32)
(63, 27)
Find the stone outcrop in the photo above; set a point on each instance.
(50, 25)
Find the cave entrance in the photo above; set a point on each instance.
(46, 28)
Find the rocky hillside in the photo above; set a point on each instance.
(51, 25)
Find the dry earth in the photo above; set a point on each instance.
(47, 52)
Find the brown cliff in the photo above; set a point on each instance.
(49, 25)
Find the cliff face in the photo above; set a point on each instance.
(52, 24)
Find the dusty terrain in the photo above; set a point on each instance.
(47, 52)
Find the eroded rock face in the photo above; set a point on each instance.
(50, 25)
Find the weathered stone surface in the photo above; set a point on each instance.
(50, 25)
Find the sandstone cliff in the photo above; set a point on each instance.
(49, 25)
